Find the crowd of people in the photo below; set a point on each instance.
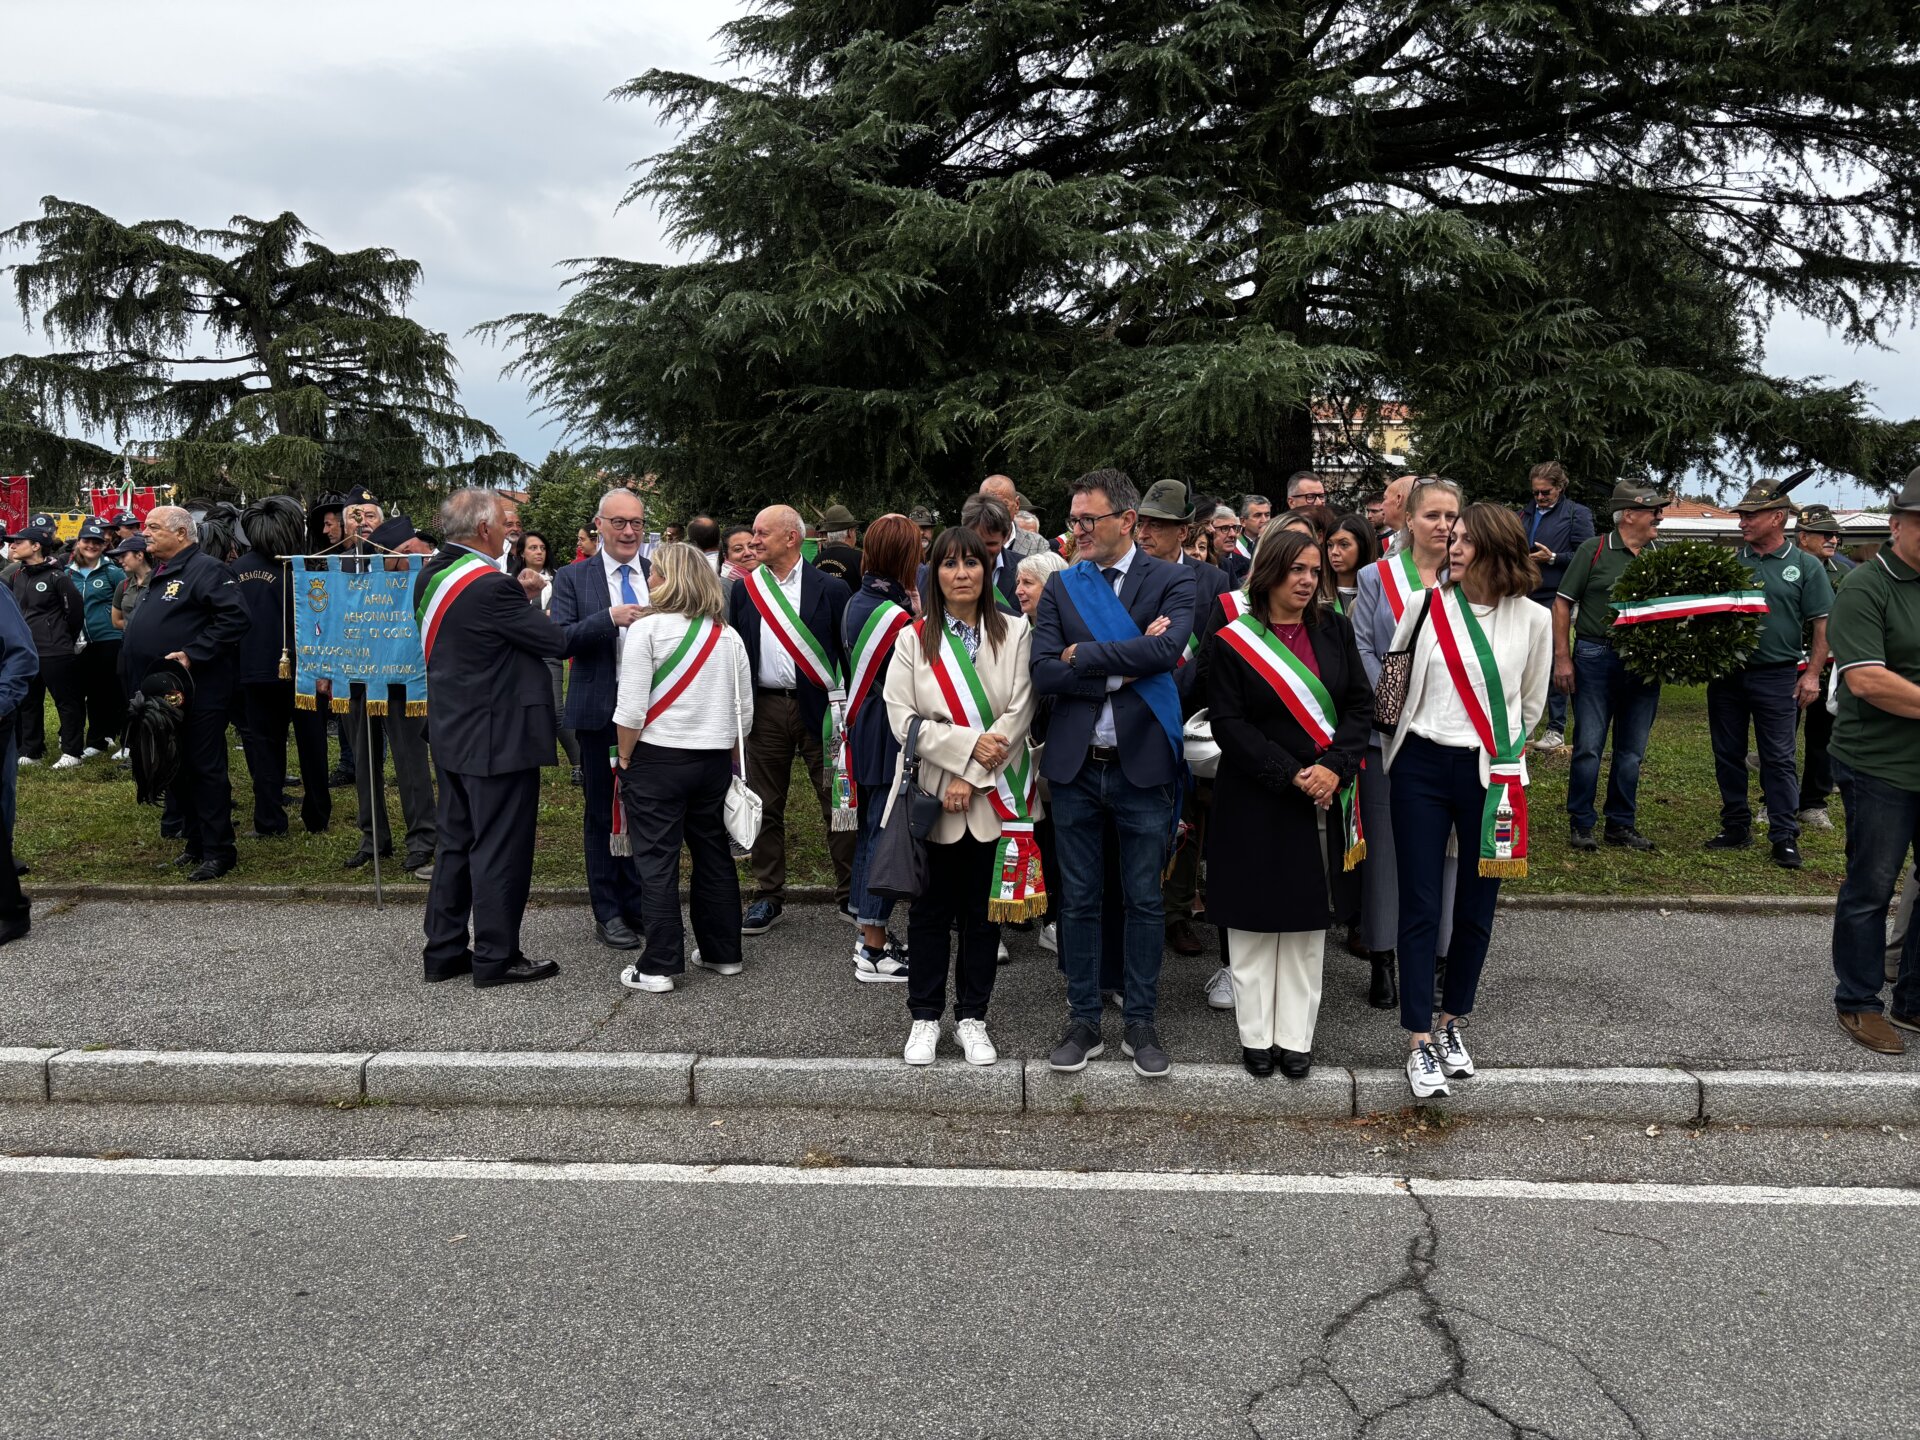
(1063, 735)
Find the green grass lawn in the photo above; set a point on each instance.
(84, 826)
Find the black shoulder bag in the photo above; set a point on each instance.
(897, 869)
(1390, 691)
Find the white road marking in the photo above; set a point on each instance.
(1135, 1181)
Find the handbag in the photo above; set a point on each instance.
(897, 868)
(1390, 691)
(1203, 751)
(741, 809)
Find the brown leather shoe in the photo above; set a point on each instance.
(1182, 940)
(1870, 1028)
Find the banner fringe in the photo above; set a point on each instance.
(1503, 869)
(416, 708)
(303, 701)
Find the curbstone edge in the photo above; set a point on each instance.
(952, 1087)
(1109, 1087)
(527, 1077)
(1769, 1097)
(1669, 1095)
(218, 1077)
(23, 1072)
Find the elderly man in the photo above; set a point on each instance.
(594, 600)
(195, 618)
(1305, 490)
(1224, 527)
(1021, 542)
(1393, 512)
(1818, 535)
(360, 515)
(840, 546)
(788, 614)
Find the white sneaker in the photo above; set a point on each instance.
(922, 1040)
(1115, 999)
(1220, 988)
(29, 760)
(122, 753)
(733, 968)
(90, 752)
(635, 979)
(886, 966)
(1759, 821)
(972, 1035)
(1424, 1073)
(1454, 1058)
(1551, 740)
(67, 762)
(1049, 938)
(1815, 817)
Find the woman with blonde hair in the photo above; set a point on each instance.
(685, 698)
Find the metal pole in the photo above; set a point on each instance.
(376, 794)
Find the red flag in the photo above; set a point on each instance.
(141, 501)
(13, 502)
(106, 503)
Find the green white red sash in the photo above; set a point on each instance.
(870, 649)
(438, 594)
(1018, 889)
(813, 665)
(1399, 580)
(1307, 700)
(1245, 546)
(1685, 607)
(1234, 604)
(1497, 722)
(618, 841)
(672, 675)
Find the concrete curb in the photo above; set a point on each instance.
(409, 892)
(1655, 1094)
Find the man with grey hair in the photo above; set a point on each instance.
(1022, 542)
(1227, 554)
(1255, 511)
(1305, 489)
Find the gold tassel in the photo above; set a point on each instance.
(302, 700)
(1002, 911)
(342, 706)
(1503, 869)
(286, 666)
(377, 707)
(1355, 854)
(416, 708)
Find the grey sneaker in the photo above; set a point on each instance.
(1079, 1044)
(1815, 817)
(1143, 1046)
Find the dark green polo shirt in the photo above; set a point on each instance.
(1876, 621)
(1797, 591)
(1588, 584)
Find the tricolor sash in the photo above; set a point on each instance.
(1233, 603)
(672, 675)
(872, 646)
(811, 664)
(1107, 620)
(1476, 678)
(1399, 580)
(446, 586)
(1681, 607)
(1245, 546)
(1307, 700)
(1018, 888)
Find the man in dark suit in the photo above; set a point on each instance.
(798, 670)
(988, 518)
(594, 600)
(1225, 528)
(1112, 755)
(491, 705)
(1556, 527)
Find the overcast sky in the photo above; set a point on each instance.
(475, 138)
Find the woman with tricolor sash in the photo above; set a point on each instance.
(1385, 593)
(1478, 684)
(685, 698)
(962, 670)
(877, 612)
(1290, 706)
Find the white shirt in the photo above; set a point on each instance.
(1104, 731)
(706, 716)
(1441, 717)
(776, 665)
(612, 568)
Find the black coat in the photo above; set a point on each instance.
(193, 606)
(52, 606)
(1266, 871)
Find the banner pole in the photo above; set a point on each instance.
(376, 795)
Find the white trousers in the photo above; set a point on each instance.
(1276, 986)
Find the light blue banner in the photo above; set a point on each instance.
(353, 624)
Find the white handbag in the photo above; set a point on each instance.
(742, 808)
(1203, 754)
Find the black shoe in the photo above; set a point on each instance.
(1383, 993)
(1730, 840)
(173, 832)
(616, 934)
(338, 779)
(1786, 854)
(575, 778)
(1627, 838)
(1294, 1064)
(760, 917)
(1142, 1046)
(1258, 1062)
(20, 867)
(363, 857)
(185, 860)
(264, 835)
(463, 966)
(521, 972)
(1078, 1044)
(210, 870)
(1579, 839)
(14, 927)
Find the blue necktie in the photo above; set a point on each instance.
(1110, 574)
(1534, 529)
(626, 587)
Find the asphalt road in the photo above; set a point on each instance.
(588, 1301)
(1566, 987)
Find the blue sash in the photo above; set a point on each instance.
(1108, 619)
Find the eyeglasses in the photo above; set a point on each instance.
(1087, 522)
(616, 523)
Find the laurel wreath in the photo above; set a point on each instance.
(1691, 649)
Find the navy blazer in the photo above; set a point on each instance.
(1152, 588)
(872, 743)
(1563, 529)
(823, 603)
(580, 604)
(1235, 568)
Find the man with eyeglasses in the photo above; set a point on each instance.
(1225, 527)
(1108, 634)
(1304, 489)
(1606, 695)
(594, 600)
(1556, 527)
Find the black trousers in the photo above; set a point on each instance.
(270, 712)
(104, 702)
(670, 797)
(60, 675)
(613, 883)
(958, 875)
(483, 871)
(201, 793)
(1816, 775)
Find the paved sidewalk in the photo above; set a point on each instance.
(1563, 988)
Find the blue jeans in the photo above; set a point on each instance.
(1142, 821)
(868, 909)
(1606, 693)
(1762, 696)
(1883, 827)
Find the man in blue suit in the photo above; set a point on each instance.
(1113, 753)
(594, 600)
(1556, 527)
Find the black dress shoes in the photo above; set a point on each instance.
(210, 870)
(363, 857)
(452, 970)
(1294, 1064)
(1382, 992)
(521, 972)
(616, 934)
(1258, 1062)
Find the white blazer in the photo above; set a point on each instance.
(1521, 635)
(946, 748)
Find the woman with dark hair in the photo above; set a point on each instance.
(1477, 687)
(1291, 706)
(962, 670)
(876, 613)
(532, 552)
(1349, 548)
